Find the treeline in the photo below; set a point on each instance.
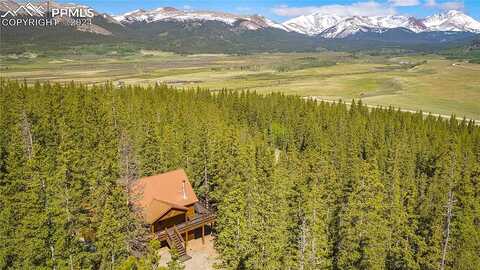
(468, 53)
(296, 184)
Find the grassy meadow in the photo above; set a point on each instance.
(430, 83)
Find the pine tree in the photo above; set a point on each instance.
(314, 215)
(466, 234)
(12, 187)
(174, 263)
(234, 207)
(111, 233)
(232, 239)
(439, 208)
(152, 158)
(363, 227)
(402, 231)
(33, 231)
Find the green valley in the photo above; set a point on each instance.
(428, 82)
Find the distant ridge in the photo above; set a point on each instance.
(333, 26)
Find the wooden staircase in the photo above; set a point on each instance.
(175, 240)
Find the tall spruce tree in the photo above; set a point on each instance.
(364, 228)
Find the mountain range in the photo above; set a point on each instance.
(212, 31)
(316, 24)
(254, 22)
(332, 26)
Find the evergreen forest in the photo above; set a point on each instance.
(295, 183)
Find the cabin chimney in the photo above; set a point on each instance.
(184, 192)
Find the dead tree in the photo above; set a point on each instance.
(128, 164)
(448, 219)
(27, 135)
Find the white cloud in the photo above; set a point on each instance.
(244, 9)
(404, 3)
(284, 10)
(456, 5)
(452, 5)
(370, 8)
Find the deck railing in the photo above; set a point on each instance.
(198, 221)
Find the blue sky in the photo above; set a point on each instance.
(281, 10)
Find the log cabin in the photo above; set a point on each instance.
(171, 209)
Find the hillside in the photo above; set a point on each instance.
(469, 53)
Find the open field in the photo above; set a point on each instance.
(415, 82)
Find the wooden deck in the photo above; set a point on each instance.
(173, 235)
(190, 225)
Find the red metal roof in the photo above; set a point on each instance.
(172, 188)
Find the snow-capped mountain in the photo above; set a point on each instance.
(254, 22)
(312, 24)
(337, 26)
(452, 21)
(345, 28)
(331, 26)
(352, 25)
(316, 24)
